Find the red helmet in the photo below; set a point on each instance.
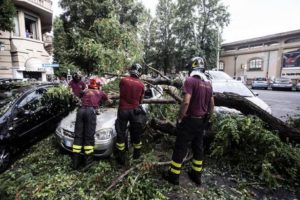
(97, 80)
(93, 84)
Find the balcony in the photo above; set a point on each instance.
(34, 4)
(43, 8)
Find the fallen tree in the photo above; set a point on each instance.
(230, 100)
(235, 101)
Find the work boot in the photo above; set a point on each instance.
(120, 156)
(136, 153)
(195, 177)
(88, 160)
(171, 177)
(75, 161)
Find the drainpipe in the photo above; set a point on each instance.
(268, 65)
(234, 73)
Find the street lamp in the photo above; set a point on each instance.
(218, 49)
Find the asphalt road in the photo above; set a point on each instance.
(283, 103)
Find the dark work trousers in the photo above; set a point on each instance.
(136, 121)
(85, 127)
(189, 131)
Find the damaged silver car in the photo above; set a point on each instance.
(105, 129)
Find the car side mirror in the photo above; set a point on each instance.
(256, 94)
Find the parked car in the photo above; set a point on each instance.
(282, 83)
(221, 83)
(23, 116)
(260, 82)
(217, 75)
(298, 86)
(105, 129)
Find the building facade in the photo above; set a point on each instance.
(271, 56)
(24, 51)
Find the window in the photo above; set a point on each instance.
(31, 27)
(255, 64)
(30, 101)
(221, 66)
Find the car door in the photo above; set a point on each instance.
(25, 114)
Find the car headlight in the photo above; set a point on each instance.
(104, 134)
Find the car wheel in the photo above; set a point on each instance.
(5, 158)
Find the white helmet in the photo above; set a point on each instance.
(196, 67)
(197, 63)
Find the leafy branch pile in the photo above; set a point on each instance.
(294, 121)
(246, 144)
(41, 175)
(48, 175)
(62, 99)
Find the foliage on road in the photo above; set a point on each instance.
(294, 121)
(45, 173)
(245, 144)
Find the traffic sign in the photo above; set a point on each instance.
(50, 65)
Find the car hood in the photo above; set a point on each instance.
(231, 86)
(238, 88)
(106, 119)
(257, 101)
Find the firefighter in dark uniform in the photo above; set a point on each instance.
(85, 125)
(131, 96)
(195, 110)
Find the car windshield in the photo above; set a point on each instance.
(261, 79)
(217, 75)
(282, 80)
(232, 86)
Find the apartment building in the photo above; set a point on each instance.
(271, 56)
(24, 51)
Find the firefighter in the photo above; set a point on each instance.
(76, 84)
(85, 125)
(131, 96)
(195, 110)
